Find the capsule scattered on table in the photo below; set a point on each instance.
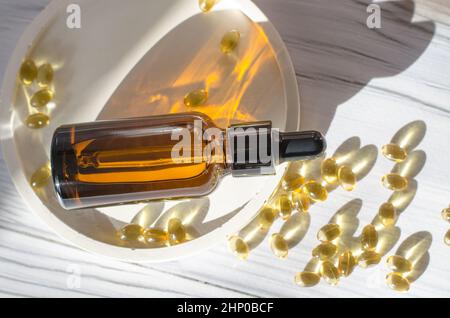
(37, 121)
(369, 258)
(397, 282)
(239, 247)
(447, 238)
(369, 238)
(446, 214)
(132, 233)
(347, 178)
(394, 152)
(292, 182)
(230, 41)
(330, 273)
(28, 72)
(196, 98)
(315, 191)
(329, 170)
(279, 246)
(266, 217)
(41, 177)
(300, 201)
(347, 263)
(387, 214)
(399, 264)
(156, 236)
(206, 5)
(177, 231)
(284, 206)
(41, 98)
(45, 75)
(329, 232)
(307, 279)
(394, 182)
(325, 251)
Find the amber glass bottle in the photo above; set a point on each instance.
(162, 157)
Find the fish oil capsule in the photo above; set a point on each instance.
(369, 238)
(329, 170)
(292, 182)
(300, 201)
(315, 191)
(446, 214)
(387, 214)
(284, 207)
(369, 258)
(399, 264)
(177, 231)
(45, 75)
(41, 98)
(266, 217)
(330, 273)
(447, 238)
(279, 246)
(325, 251)
(37, 121)
(132, 233)
(346, 178)
(347, 263)
(206, 5)
(156, 236)
(329, 233)
(28, 72)
(196, 98)
(307, 279)
(230, 41)
(40, 178)
(397, 282)
(394, 152)
(239, 247)
(394, 182)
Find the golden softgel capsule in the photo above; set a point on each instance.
(307, 279)
(41, 98)
(266, 217)
(330, 273)
(28, 72)
(329, 233)
(206, 5)
(45, 75)
(132, 233)
(239, 247)
(347, 263)
(156, 236)
(325, 251)
(394, 182)
(300, 201)
(369, 238)
(37, 121)
(397, 282)
(347, 178)
(279, 246)
(394, 152)
(41, 177)
(230, 41)
(284, 205)
(196, 98)
(447, 238)
(329, 170)
(399, 264)
(292, 182)
(446, 214)
(369, 258)
(315, 191)
(387, 214)
(177, 231)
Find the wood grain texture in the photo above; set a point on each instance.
(355, 83)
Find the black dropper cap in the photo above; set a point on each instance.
(301, 145)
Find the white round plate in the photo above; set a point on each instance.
(140, 57)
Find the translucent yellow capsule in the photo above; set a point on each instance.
(230, 41)
(156, 236)
(347, 178)
(41, 98)
(239, 247)
(399, 264)
(45, 75)
(329, 170)
(177, 231)
(369, 238)
(397, 282)
(307, 279)
(132, 233)
(446, 214)
(369, 258)
(28, 72)
(347, 263)
(37, 121)
(292, 182)
(196, 98)
(284, 207)
(387, 214)
(330, 273)
(447, 238)
(394, 182)
(41, 177)
(266, 217)
(300, 201)
(325, 251)
(394, 152)
(315, 191)
(279, 246)
(206, 5)
(329, 232)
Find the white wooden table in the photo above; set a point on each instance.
(354, 82)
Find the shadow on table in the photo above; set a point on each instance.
(336, 55)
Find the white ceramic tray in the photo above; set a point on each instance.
(135, 58)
